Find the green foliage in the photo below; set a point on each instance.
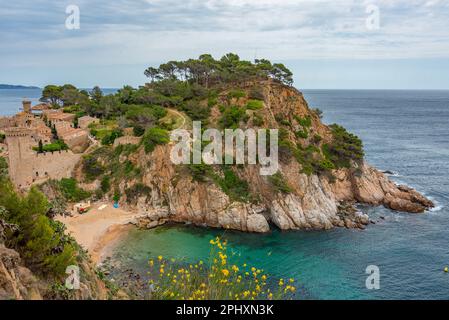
(41, 241)
(232, 116)
(58, 145)
(196, 111)
(254, 104)
(138, 130)
(116, 197)
(110, 138)
(236, 94)
(236, 188)
(302, 134)
(106, 184)
(71, 191)
(2, 137)
(316, 139)
(207, 72)
(345, 147)
(92, 168)
(221, 277)
(305, 122)
(200, 172)
(3, 168)
(136, 191)
(278, 182)
(153, 137)
(52, 94)
(258, 120)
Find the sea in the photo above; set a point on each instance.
(404, 132)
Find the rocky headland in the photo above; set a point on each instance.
(297, 199)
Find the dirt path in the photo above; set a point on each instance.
(179, 114)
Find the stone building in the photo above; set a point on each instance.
(55, 117)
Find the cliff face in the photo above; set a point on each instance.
(313, 201)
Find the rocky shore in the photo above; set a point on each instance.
(313, 201)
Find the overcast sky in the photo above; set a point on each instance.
(326, 43)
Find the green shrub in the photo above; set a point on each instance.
(305, 122)
(258, 120)
(222, 276)
(237, 93)
(106, 184)
(110, 138)
(71, 191)
(3, 167)
(316, 139)
(2, 137)
(302, 134)
(254, 104)
(232, 116)
(136, 191)
(40, 240)
(236, 188)
(58, 145)
(92, 168)
(196, 111)
(278, 182)
(345, 147)
(199, 172)
(153, 137)
(138, 130)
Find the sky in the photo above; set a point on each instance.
(328, 44)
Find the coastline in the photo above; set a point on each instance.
(98, 231)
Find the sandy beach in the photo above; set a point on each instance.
(99, 229)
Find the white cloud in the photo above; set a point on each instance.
(143, 31)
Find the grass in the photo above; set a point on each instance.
(254, 104)
(103, 129)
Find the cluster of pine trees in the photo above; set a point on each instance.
(207, 71)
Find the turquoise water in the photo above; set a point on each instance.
(403, 131)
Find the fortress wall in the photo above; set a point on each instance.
(28, 167)
(126, 140)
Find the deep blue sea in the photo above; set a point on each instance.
(403, 131)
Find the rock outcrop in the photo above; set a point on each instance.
(16, 281)
(314, 202)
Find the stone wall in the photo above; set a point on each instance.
(126, 140)
(27, 167)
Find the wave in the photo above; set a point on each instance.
(391, 173)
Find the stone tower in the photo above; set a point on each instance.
(26, 106)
